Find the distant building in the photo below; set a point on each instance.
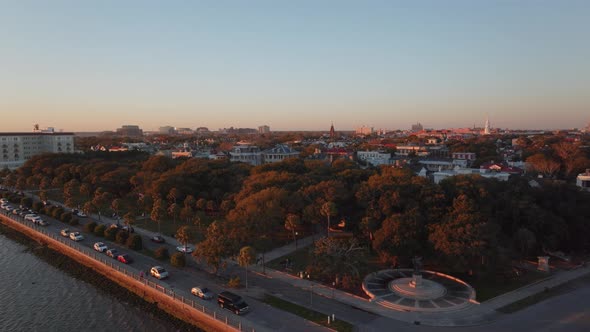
(202, 130)
(129, 131)
(17, 148)
(264, 129)
(464, 156)
(246, 153)
(439, 176)
(332, 131)
(364, 131)
(183, 131)
(583, 180)
(406, 150)
(279, 153)
(166, 130)
(374, 158)
(417, 127)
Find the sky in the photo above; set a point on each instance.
(294, 65)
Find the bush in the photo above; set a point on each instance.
(74, 222)
(38, 206)
(121, 237)
(89, 227)
(134, 242)
(56, 212)
(234, 282)
(161, 253)
(26, 201)
(110, 233)
(178, 259)
(99, 230)
(66, 217)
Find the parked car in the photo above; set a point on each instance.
(30, 216)
(79, 213)
(45, 223)
(100, 247)
(76, 236)
(124, 258)
(159, 272)
(202, 292)
(113, 253)
(185, 249)
(157, 239)
(65, 232)
(232, 302)
(128, 228)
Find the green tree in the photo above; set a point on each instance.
(129, 219)
(185, 235)
(328, 210)
(135, 242)
(292, 223)
(178, 260)
(158, 212)
(216, 246)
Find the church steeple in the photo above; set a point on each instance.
(486, 129)
(332, 132)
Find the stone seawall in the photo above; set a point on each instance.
(149, 291)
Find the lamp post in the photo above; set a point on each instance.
(310, 290)
(296, 233)
(333, 287)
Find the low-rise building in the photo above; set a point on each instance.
(129, 131)
(279, 153)
(583, 180)
(439, 176)
(374, 158)
(246, 153)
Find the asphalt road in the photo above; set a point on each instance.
(182, 280)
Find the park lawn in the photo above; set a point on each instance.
(490, 287)
(311, 315)
(546, 294)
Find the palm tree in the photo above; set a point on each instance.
(292, 223)
(158, 212)
(247, 257)
(328, 210)
(185, 235)
(129, 220)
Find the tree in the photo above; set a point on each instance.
(129, 220)
(216, 246)
(543, 164)
(185, 235)
(464, 237)
(328, 210)
(116, 206)
(292, 223)
(524, 241)
(178, 260)
(247, 257)
(174, 211)
(134, 242)
(158, 212)
(332, 257)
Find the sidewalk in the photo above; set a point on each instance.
(476, 314)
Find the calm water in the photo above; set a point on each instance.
(35, 296)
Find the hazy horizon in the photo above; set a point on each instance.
(294, 66)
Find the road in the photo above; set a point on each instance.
(183, 279)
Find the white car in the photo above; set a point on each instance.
(100, 247)
(65, 232)
(185, 249)
(31, 216)
(159, 272)
(76, 236)
(202, 292)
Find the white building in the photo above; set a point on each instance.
(439, 176)
(374, 158)
(246, 153)
(406, 150)
(17, 148)
(364, 130)
(583, 180)
(278, 153)
(264, 129)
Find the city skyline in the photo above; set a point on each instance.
(387, 65)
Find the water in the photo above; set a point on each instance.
(35, 296)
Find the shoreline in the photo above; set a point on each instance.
(86, 274)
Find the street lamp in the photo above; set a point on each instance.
(310, 290)
(333, 287)
(296, 233)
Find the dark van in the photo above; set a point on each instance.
(232, 302)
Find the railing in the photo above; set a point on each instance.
(131, 272)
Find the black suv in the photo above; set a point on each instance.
(232, 302)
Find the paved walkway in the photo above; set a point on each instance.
(474, 315)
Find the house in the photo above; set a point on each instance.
(374, 158)
(501, 167)
(279, 153)
(486, 173)
(246, 153)
(583, 180)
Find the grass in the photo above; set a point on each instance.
(311, 315)
(546, 294)
(490, 287)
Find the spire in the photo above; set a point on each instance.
(486, 129)
(332, 132)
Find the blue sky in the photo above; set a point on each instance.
(95, 65)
